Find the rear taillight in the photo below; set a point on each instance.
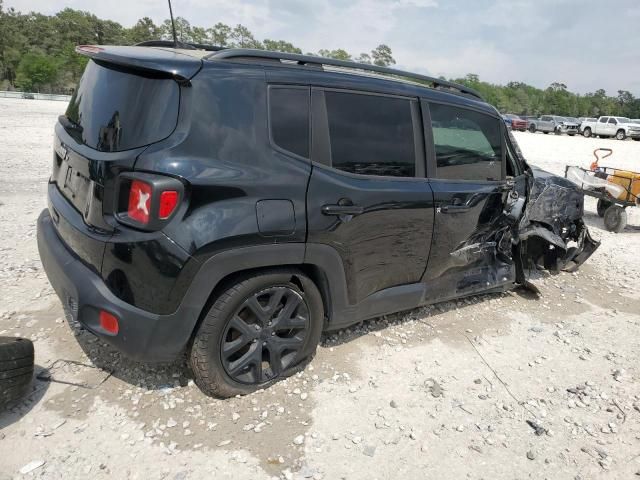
(140, 201)
(168, 203)
(148, 201)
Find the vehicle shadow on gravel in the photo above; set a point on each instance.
(148, 375)
(14, 413)
(431, 315)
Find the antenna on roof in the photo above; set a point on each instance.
(173, 26)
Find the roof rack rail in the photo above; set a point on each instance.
(437, 83)
(172, 44)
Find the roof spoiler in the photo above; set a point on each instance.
(168, 62)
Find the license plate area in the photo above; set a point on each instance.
(73, 181)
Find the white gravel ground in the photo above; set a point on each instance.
(441, 392)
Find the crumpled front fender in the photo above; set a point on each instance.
(551, 232)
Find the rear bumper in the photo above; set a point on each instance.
(142, 335)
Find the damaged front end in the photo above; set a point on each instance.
(551, 232)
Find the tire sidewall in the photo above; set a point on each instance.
(615, 219)
(209, 336)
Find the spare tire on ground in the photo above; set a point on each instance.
(16, 369)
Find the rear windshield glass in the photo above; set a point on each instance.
(112, 110)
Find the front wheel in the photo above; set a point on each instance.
(262, 328)
(615, 219)
(532, 128)
(586, 133)
(557, 131)
(621, 135)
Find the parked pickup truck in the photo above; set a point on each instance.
(619, 127)
(553, 123)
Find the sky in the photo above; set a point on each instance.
(587, 44)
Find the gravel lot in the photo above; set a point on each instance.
(496, 386)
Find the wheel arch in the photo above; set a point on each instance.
(224, 269)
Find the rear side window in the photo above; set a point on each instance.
(289, 119)
(113, 110)
(468, 144)
(612, 120)
(371, 134)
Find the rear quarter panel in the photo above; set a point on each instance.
(224, 154)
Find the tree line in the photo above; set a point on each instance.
(37, 54)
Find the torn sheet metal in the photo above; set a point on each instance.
(552, 223)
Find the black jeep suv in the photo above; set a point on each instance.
(236, 203)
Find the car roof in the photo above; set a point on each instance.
(351, 76)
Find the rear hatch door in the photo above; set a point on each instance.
(127, 99)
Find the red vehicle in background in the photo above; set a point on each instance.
(515, 122)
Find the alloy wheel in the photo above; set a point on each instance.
(262, 338)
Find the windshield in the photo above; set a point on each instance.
(113, 110)
(623, 120)
(574, 120)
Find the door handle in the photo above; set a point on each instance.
(342, 210)
(454, 208)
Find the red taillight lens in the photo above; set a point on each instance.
(168, 203)
(109, 322)
(139, 201)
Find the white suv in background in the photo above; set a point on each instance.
(618, 127)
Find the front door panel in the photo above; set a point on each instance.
(470, 232)
(471, 248)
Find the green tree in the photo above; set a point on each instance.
(280, 46)
(144, 30)
(382, 56)
(36, 70)
(242, 37)
(183, 30)
(626, 102)
(364, 58)
(220, 35)
(338, 54)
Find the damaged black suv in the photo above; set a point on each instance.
(234, 204)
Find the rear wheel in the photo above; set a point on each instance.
(545, 133)
(586, 133)
(261, 329)
(621, 135)
(615, 218)
(602, 206)
(16, 369)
